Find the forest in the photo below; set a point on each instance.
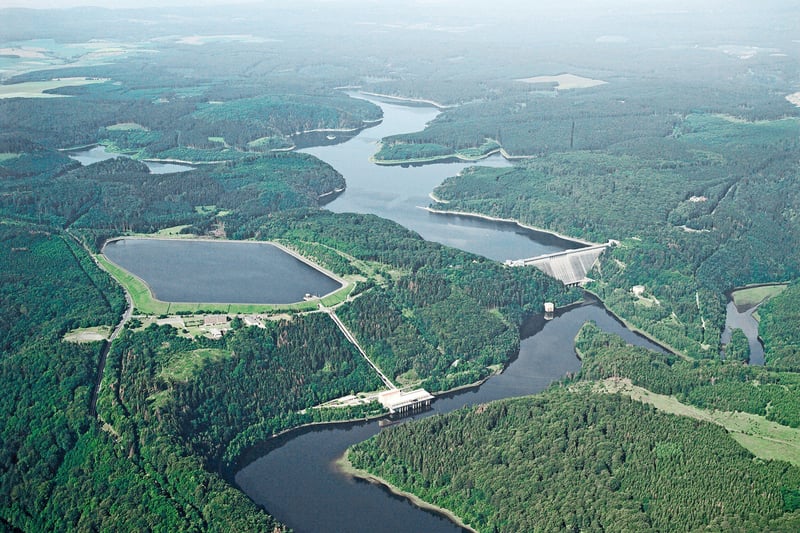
(722, 385)
(577, 458)
(569, 460)
(778, 319)
(59, 468)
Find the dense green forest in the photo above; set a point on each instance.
(437, 315)
(779, 318)
(255, 388)
(725, 386)
(523, 464)
(568, 460)
(59, 470)
(121, 195)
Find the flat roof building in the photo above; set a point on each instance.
(402, 402)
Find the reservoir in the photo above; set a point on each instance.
(400, 193)
(743, 319)
(238, 272)
(99, 153)
(294, 477)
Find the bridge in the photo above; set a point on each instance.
(570, 266)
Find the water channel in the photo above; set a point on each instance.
(294, 476)
(400, 193)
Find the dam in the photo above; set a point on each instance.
(570, 267)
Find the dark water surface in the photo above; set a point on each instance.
(219, 271)
(743, 319)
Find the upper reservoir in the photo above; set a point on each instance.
(219, 271)
(400, 193)
(100, 153)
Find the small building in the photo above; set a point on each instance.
(215, 320)
(405, 402)
(637, 290)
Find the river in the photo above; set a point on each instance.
(294, 476)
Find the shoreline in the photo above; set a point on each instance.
(640, 331)
(364, 124)
(432, 159)
(432, 103)
(180, 161)
(334, 191)
(510, 221)
(344, 465)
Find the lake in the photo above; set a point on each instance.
(202, 271)
(743, 319)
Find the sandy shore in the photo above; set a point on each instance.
(405, 99)
(509, 220)
(344, 465)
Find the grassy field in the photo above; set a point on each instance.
(93, 334)
(174, 231)
(565, 81)
(35, 89)
(750, 296)
(127, 126)
(764, 439)
(186, 365)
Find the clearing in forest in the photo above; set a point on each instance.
(565, 81)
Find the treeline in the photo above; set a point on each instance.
(47, 287)
(568, 460)
(778, 328)
(441, 317)
(529, 121)
(121, 195)
(168, 117)
(725, 386)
